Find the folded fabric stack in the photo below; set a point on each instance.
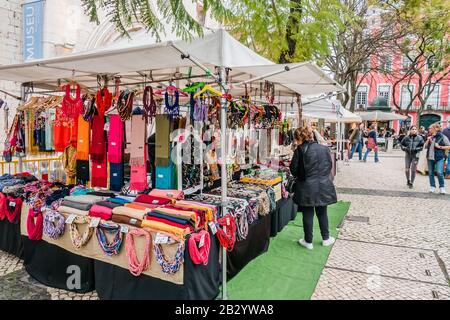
(69, 210)
(118, 218)
(87, 199)
(205, 213)
(100, 211)
(151, 199)
(130, 212)
(168, 194)
(76, 205)
(121, 199)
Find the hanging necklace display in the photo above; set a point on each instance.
(149, 103)
(125, 104)
(72, 107)
(172, 111)
(170, 267)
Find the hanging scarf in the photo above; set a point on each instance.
(226, 233)
(98, 139)
(125, 104)
(199, 256)
(61, 132)
(2, 206)
(116, 174)
(135, 266)
(138, 178)
(34, 227)
(109, 248)
(14, 214)
(54, 224)
(138, 143)
(115, 139)
(170, 267)
(83, 139)
(149, 103)
(69, 160)
(103, 100)
(89, 109)
(99, 174)
(82, 171)
(77, 240)
(72, 108)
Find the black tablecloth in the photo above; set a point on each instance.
(10, 238)
(200, 282)
(256, 243)
(280, 217)
(54, 266)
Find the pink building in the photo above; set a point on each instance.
(377, 89)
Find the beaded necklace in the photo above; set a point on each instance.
(172, 110)
(149, 103)
(170, 267)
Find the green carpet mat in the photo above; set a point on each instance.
(287, 271)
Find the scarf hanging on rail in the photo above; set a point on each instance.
(61, 131)
(99, 174)
(138, 158)
(115, 139)
(103, 100)
(49, 143)
(98, 139)
(70, 163)
(83, 139)
(116, 171)
(162, 140)
(82, 172)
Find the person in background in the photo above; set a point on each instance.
(314, 190)
(423, 133)
(436, 145)
(357, 141)
(412, 144)
(372, 143)
(446, 132)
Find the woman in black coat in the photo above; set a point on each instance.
(314, 189)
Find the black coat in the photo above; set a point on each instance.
(412, 144)
(314, 187)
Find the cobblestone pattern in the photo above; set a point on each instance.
(348, 285)
(405, 245)
(9, 263)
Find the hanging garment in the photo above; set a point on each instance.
(49, 135)
(98, 148)
(82, 171)
(162, 140)
(138, 158)
(61, 131)
(83, 139)
(72, 107)
(70, 163)
(99, 174)
(103, 100)
(115, 139)
(116, 172)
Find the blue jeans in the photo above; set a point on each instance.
(367, 153)
(447, 171)
(356, 146)
(438, 168)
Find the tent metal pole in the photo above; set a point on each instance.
(270, 74)
(223, 147)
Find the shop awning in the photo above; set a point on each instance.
(330, 111)
(381, 116)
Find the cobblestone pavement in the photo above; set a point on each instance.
(394, 242)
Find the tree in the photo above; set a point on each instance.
(122, 13)
(425, 47)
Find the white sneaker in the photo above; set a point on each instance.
(432, 189)
(328, 242)
(442, 190)
(305, 244)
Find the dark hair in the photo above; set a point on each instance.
(413, 126)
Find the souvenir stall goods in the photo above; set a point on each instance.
(118, 200)
(151, 199)
(72, 107)
(149, 104)
(54, 224)
(78, 241)
(170, 267)
(175, 231)
(103, 194)
(83, 139)
(117, 218)
(82, 172)
(138, 157)
(97, 146)
(108, 204)
(141, 205)
(110, 248)
(136, 267)
(179, 212)
(12, 209)
(69, 210)
(85, 199)
(199, 253)
(35, 225)
(168, 194)
(69, 160)
(99, 174)
(76, 205)
(103, 100)
(115, 140)
(116, 174)
(130, 212)
(99, 211)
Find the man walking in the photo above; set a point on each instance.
(356, 139)
(412, 144)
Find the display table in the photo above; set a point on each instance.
(200, 282)
(10, 238)
(281, 216)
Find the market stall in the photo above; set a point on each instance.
(127, 234)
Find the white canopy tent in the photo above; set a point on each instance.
(381, 116)
(330, 111)
(177, 61)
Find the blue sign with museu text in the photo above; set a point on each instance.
(33, 25)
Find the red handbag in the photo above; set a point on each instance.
(371, 144)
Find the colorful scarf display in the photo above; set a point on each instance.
(99, 174)
(82, 169)
(152, 199)
(103, 100)
(76, 205)
(138, 159)
(199, 255)
(116, 176)
(129, 212)
(117, 218)
(69, 210)
(35, 225)
(83, 139)
(104, 213)
(98, 147)
(168, 194)
(54, 224)
(164, 227)
(170, 267)
(115, 140)
(13, 208)
(110, 248)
